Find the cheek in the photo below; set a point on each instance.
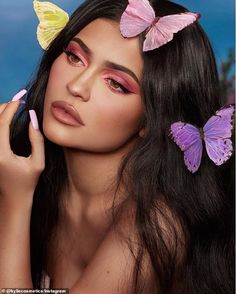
(54, 90)
(56, 82)
(119, 117)
(57, 75)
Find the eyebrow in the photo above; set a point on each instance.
(107, 63)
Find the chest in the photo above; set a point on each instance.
(72, 249)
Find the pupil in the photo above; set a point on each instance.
(74, 58)
(115, 83)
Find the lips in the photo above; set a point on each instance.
(68, 108)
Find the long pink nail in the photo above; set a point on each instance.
(34, 120)
(19, 95)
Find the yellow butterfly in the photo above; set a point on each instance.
(52, 19)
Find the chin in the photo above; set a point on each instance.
(58, 136)
(53, 134)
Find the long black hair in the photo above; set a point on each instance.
(179, 82)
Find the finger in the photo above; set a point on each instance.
(2, 107)
(6, 117)
(37, 142)
(5, 120)
(11, 107)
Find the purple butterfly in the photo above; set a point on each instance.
(216, 134)
(139, 16)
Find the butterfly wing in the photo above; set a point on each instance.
(217, 133)
(155, 38)
(52, 19)
(163, 31)
(137, 16)
(173, 23)
(188, 138)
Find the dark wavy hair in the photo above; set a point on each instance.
(179, 82)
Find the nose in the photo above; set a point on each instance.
(80, 85)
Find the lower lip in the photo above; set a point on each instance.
(62, 116)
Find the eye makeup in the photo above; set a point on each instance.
(119, 90)
(131, 87)
(126, 85)
(107, 63)
(76, 50)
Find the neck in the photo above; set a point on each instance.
(90, 173)
(92, 176)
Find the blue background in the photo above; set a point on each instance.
(20, 51)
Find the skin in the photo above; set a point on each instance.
(111, 127)
(111, 118)
(16, 201)
(87, 256)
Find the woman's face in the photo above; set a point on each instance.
(103, 86)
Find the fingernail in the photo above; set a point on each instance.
(34, 120)
(19, 95)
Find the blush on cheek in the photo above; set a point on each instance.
(56, 73)
(116, 120)
(55, 83)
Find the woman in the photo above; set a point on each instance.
(109, 206)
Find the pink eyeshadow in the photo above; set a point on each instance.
(131, 86)
(75, 48)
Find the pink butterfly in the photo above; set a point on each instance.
(216, 133)
(139, 16)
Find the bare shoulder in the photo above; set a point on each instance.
(111, 268)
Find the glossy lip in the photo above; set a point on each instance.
(69, 109)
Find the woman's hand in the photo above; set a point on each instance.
(19, 175)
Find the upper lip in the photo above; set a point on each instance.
(69, 109)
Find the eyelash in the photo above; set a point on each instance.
(123, 89)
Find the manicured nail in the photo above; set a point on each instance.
(34, 120)
(19, 95)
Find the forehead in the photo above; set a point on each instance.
(104, 39)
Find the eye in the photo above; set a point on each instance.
(72, 57)
(116, 87)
